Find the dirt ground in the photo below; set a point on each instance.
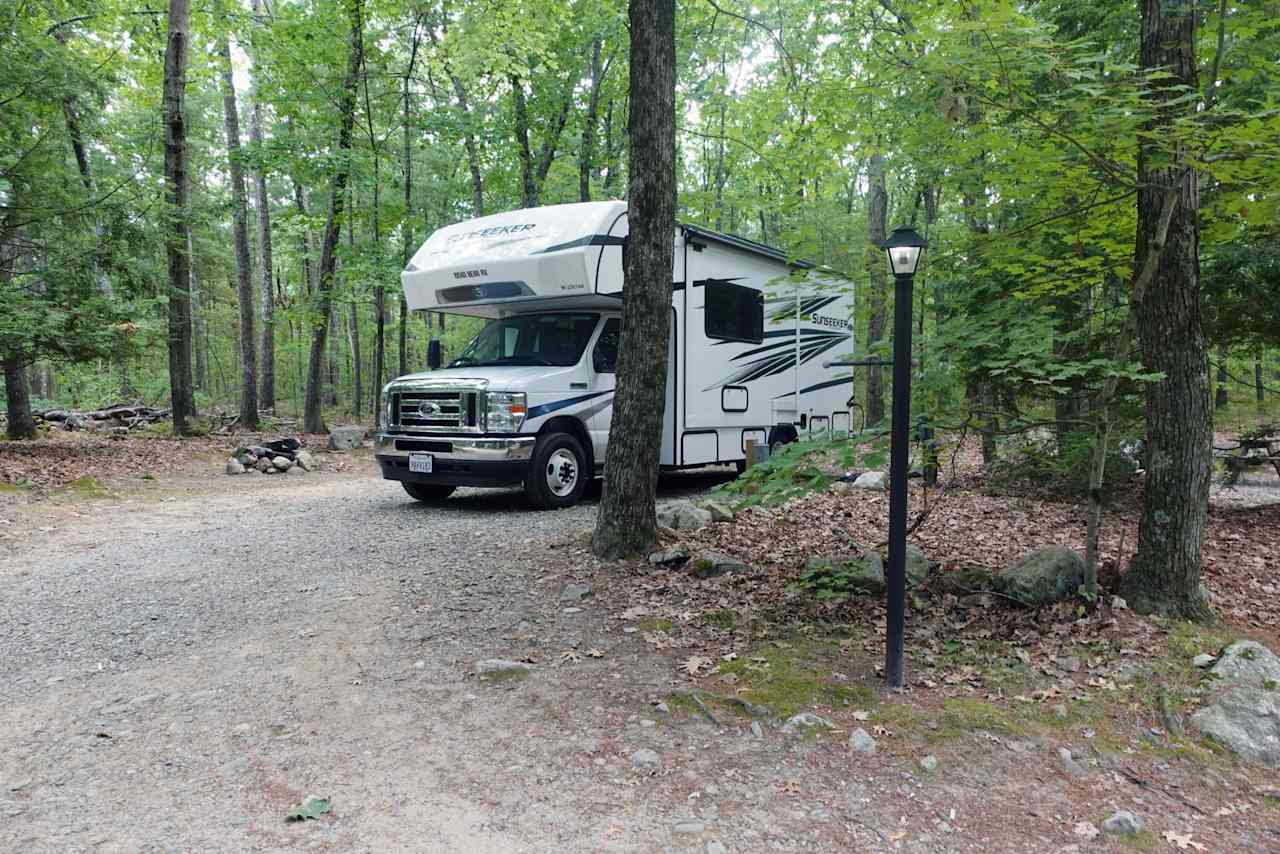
(187, 658)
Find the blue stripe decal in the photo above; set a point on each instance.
(545, 408)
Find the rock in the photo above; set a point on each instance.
(757, 730)
(714, 847)
(247, 459)
(720, 512)
(1070, 765)
(1043, 576)
(682, 515)
(295, 470)
(929, 763)
(689, 827)
(1123, 823)
(917, 567)
(282, 463)
(805, 722)
(1203, 660)
(645, 759)
(576, 592)
(1245, 718)
(259, 452)
(713, 564)
(305, 460)
(842, 487)
(858, 574)
(669, 557)
(501, 668)
(1248, 663)
(264, 465)
(875, 481)
(234, 466)
(346, 438)
(860, 741)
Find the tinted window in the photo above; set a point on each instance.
(734, 313)
(530, 339)
(605, 356)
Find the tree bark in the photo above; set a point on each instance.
(175, 174)
(313, 417)
(877, 213)
(407, 228)
(1259, 388)
(198, 326)
(529, 190)
(626, 523)
(1165, 573)
(586, 150)
(267, 372)
(240, 237)
(610, 152)
(21, 424)
(1221, 396)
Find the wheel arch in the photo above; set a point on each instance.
(576, 429)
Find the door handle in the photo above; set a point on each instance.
(577, 385)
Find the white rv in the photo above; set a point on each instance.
(529, 401)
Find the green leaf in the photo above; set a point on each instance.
(312, 808)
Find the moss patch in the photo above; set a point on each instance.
(85, 487)
(13, 488)
(725, 618)
(655, 625)
(786, 679)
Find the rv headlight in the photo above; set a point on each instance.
(388, 410)
(506, 411)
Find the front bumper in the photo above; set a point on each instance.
(458, 460)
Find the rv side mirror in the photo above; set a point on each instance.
(433, 354)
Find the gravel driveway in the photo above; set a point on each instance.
(176, 676)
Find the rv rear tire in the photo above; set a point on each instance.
(427, 492)
(557, 473)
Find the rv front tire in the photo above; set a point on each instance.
(427, 492)
(557, 473)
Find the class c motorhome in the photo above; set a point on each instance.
(530, 400)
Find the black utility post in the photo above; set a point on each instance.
(904, 247)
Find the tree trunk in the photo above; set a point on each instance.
(240, 237)
(313, 418)
(379, 290)
(1259, 388)
(21, 424)
(1165, 573)
(1222, 396)
(469, 138)
(357, 375)
(586, 151)
(407, 228)
(175, 174)
(529, 190)
(267, 374)
(198, 326)
(610, 152)
(877, 212)
(625, 522)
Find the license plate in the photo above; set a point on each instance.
(420, 463)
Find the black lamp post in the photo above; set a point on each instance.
(905, 248)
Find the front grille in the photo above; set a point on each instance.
(436, 411)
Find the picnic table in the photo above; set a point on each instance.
(1252, 450)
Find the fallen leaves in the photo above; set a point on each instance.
(1182, 840)
(696, 665)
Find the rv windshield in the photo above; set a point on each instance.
(530, 339)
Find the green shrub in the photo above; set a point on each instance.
(1066, 469)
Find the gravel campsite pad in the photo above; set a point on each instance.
(185, 674)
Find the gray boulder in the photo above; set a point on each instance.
(305, 460)
(645, 759)
(1123, 823)
(669, 557)
(282, 463)
(713, 564)
(861, 741)
(500, 668)
(346, 438)
(917, 566)
(682, 515)
(576, 593)
(295, 470)
(234, 467)
(720, 512)
(264, 465)
(1245, 718)
(860, 574)
(1046, 575)
(875, 481)
(247, 459)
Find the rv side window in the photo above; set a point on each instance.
(605, 356)
(734, 313)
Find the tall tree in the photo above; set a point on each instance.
(313, 417)
(267, 365)
(1165, 573)
(877, 212)
(626, 521)
(240, 237)
(175, 174)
